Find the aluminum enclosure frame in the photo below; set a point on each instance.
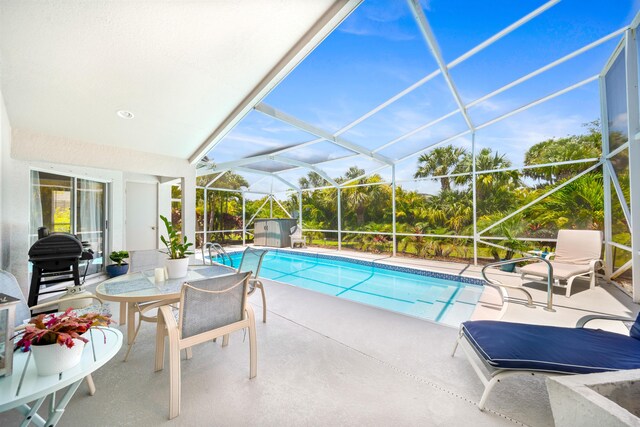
(627, 37)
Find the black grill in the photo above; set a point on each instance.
(55, 259)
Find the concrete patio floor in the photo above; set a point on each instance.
(327, 361)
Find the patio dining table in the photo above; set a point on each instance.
(141, 287)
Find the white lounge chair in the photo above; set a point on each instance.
(500, 349)
(577, 254)
(297, 237)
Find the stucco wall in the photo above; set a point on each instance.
(24, 150)
(27, 145)
(5, 148)
(18, 177)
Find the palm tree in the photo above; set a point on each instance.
(352, 173)
(224, 209)
(312, 180)
(575, 147)
(410, 206)
(579, 204)
(365, 200)
(495, 192)
(357, 198)
(450, 209)
(440, 161)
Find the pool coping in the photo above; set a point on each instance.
(378, 264)
(384, 263)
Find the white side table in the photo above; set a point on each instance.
(25, 385)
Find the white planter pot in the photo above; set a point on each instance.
(177, 268)
(52, 359)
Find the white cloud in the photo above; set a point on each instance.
(279, 129)
(516, 135)
(619, 123)
(253, 139)
(379, 19)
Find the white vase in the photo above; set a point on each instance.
(177, 268)
(52, 359)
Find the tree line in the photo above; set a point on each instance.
(500, 190)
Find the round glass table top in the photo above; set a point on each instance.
(142, 286)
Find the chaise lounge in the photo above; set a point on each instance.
(506, 349)
(577, 254)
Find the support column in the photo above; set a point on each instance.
(300, 210)
(473, 191)
(339, 219)
(205, 221)
(393, 207)
(270, 205)
(244, 221)
(164, 208)
(634, 154)
(188, 184)
(608, 235)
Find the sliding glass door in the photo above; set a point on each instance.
(90, 224)
(71, 205)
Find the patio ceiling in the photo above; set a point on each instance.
(447, 105)
(184, 69)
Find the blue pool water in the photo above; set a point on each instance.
(445, 300)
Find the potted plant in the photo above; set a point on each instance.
(513, 245)
(120, 267)
(56, 339)
(178, 251)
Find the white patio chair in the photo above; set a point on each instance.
(146, 260)
(209, 309)
(252, 262)
(140, 261)
(577, 255)
(297, 237)
(9, 286)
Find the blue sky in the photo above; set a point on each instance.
(378, 51)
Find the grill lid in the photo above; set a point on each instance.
(55, 246)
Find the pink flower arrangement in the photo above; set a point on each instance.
(62, 328)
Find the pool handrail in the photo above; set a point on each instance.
(496, 284)
(219, 251)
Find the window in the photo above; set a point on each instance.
(176, 208)
(66, 204)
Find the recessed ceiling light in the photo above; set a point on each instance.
(125, 114)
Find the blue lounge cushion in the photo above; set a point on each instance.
(635, 329)
(506, 345)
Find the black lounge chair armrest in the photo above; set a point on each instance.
(586, 319)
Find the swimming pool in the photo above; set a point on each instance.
(439, 297)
